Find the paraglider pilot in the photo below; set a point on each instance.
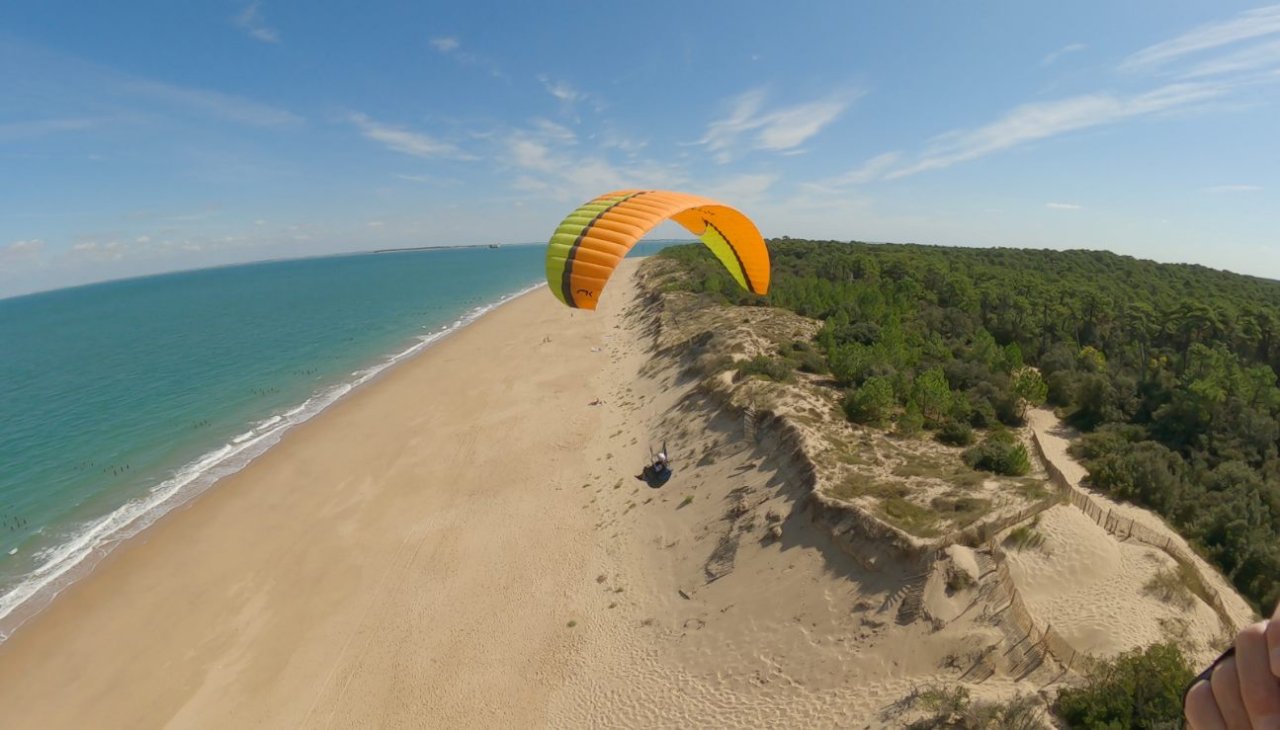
(657, 473)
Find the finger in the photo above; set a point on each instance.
(1226, 693)
(1202, 711)
(1273, 644)
(1258, 686)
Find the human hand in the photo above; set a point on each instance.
(1243, 687)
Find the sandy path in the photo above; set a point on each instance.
(1056, 437)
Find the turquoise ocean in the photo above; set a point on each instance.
(120, 401)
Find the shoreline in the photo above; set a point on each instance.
(94, 541)
(427, 529)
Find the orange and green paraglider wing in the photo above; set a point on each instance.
(590, 242)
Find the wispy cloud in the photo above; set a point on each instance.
(613, 139)
(1042, 120)
(1249, 24)
(406, 141)
(426, 179)
(1055, 55)
(451, 46)
(1253, 58)
(445, 44)
(1210, 85)
(252, 23)
(21, 252)
(774, 130)
(558, 132)
(1064, 206)
(1232, 188)
(100, 251)
(868, 171)
(549, 162)
(40, 127)
(72, 94)
(560, 89)
(741, 188)
(213, 103)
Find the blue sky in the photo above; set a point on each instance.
(150, 136)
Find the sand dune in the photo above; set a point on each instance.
(1090, 587)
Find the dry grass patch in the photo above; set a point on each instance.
(1173, 586)
(909, 517)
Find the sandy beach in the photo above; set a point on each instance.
(411, 557)
(462, 543)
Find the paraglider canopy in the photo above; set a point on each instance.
(589, 243)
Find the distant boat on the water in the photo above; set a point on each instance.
(495, 245)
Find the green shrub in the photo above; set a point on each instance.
(804, 357)
(955, 433)
(909, 516)
(1139, 689)
(872, 403)
(960, 510)
(952, 708)
(1000, 453)
(1024, 537)
(911, 422)
(766, 367)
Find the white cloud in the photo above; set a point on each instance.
(451, 46)
(423, 178)
(530, 184)
(546, 165)
(531, 154)
(1253, 58)
(40, 127)
(1055, 55)
(375, 224)
(252, 22)
(21, 252)
(870, 170)
(1064, 206)
(789, 128)
(405, 141)
(777, 130)
(1249, 24)
(231, 108)
(557, 132)
(741, 187)
(1042, 120)
(445, 44)
(1232, 188)
(560, 89)
(611, 139)
(95, 251)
